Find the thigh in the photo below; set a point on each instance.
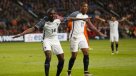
(46, 45)
(111, 38)
(56, 47)
(83, 43)
(74, 45)
(116, 38)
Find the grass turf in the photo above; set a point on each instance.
(27, 59)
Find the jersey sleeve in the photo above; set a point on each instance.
(57, 21)
(74, 14)
(41, 23)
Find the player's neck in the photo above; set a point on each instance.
(50, 19)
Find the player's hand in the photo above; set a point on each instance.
(128, 16)
(103, 35)
(18, 35)
(98, 17)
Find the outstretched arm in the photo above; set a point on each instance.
(74, 18)
(39, 25)
(99, 18)
(94, 28)
(32, 29)
(124, 18)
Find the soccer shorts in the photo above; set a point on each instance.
(52, 44)
(78, 42)
(114, 37)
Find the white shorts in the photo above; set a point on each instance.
(52, 44)
(78, 42)
(114, 37)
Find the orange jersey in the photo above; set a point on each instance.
(86, 34)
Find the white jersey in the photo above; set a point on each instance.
(114, 35)
(114, 27)
(78, 25)
(50, 38)
(50, 29)
(77, 37)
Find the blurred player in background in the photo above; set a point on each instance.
(114, 32)
(50, 26)
(77, 38)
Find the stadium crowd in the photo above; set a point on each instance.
(14, 19)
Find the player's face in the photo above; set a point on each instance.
(84, 8)
(52, 15)
(113, 18)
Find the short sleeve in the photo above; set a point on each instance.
(57, 21)
(74, 14)
(41, 23)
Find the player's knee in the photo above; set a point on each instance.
(48, 55)
(60, 57)
(85, 52)
(61, 60)
(73, 57)
(112, 43)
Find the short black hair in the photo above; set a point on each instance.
(83, 3)
(51, 10)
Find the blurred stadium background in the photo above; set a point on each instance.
(13, 19)
(26, 59)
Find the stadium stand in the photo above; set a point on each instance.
(14, 20)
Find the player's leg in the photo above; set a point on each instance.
(71, 62)
(47, 51)
(57, 49)
(60, 64)
(116, 42)
(112, 43)
(112, 47)
(47, 62)
(83, 45)
(85, 59)
(117, 47)
(74, 50)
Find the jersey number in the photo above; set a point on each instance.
(54, 30)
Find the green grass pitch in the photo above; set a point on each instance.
(27, 59)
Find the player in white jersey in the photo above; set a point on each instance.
(50, 26)
(114, 33)
(77, 37)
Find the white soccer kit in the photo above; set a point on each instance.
(76, 36)
(50, 38)
(114, 35)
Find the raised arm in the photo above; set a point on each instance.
(124, 18)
